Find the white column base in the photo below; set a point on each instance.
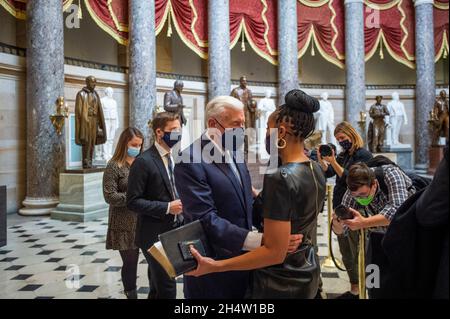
(38, 206)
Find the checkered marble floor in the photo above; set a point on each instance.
(43, 256)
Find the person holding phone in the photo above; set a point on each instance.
(353, 151)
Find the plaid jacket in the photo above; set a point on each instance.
(400, 188)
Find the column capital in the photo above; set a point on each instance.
(353, 1)
(420, 2)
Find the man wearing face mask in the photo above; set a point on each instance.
(215, 186)
(372, 206)
(373, 200)
(152, 194)
(353, 151)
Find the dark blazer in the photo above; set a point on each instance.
(148, 195)
(416, 244)
(211, 193)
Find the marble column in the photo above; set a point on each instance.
(142, 73)
(219, 60)
(355, 91)
(425, 81)
(287, 48)
(45, 152)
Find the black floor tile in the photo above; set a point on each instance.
(15, 267)
(87, 288)
(329, 275)
(61, 235)
(60, 268)
(143, 290)
(46, 252)
(44, 297)
(100, 260)
(113, 268)
(78, 247)
(89, 253)
(30, 288)
(31, 240)
(37, 246)
(8, 259)
(4, 252)
(69, 241)
(53, 260)
(21, 277)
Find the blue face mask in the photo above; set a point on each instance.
(133, 152)
(346, 145)
(171, 138)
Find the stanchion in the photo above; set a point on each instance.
(362, 265)
(328, 261)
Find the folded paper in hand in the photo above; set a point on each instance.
(173, 250)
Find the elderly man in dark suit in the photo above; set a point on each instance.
(153, 196)
(173, 101)
(215, 187)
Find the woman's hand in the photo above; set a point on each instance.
(205, 265)
(294, 242)
(330, 159)
(322, 163)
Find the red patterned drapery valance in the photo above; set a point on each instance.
(389, 25)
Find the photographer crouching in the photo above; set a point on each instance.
(353, 151)
(371, 202)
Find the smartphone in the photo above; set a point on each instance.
(325, 150)
(343, 212)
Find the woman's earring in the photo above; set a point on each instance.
(283, 143)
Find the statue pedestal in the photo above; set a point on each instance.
(435, 153)
(2, 216)
(403, 155)
(81, 196)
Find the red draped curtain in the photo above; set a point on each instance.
(389, 25)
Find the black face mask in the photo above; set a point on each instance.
(346, 145)
(232, 138)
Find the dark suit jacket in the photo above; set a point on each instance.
(148, 195)
(211, 193)
(416, 244)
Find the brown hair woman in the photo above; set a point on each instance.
(122, 222)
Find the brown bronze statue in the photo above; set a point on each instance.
(173, 101)
(441, 114)
(90, 128)
(245, 95)
(377, 127)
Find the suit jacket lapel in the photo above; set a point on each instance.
(226, 170)
(162, 169)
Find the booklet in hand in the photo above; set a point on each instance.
(173, 249)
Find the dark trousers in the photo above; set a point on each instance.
(161, 285)
(349, 247)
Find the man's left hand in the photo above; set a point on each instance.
(358, 221)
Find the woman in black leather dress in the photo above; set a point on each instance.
(292, 195)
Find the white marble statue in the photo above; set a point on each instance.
(325, 119)
(397, 117)
(265, 106)
(111, 121)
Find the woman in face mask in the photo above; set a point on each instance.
(122, 222)
(353, 151)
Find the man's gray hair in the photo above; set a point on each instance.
(218, 105)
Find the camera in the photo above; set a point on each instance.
(327, 149)
(343, 212)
